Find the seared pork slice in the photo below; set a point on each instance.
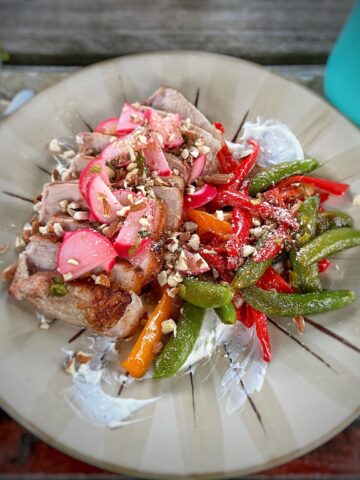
(194, 132)
(41, 252)
(55, 192)
(67, 222)
(173, 101)
(173, 181)
(173, 199)
(77, 166)
(108, 311)
(159, 220)
(177, 163)
(92, 142)
(127, 276)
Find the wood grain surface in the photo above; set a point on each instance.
(68, 32)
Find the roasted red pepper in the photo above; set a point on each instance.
(336, 188)
(244, 315)
(260, 321)
(273, 245)
(226, 160)
(272, 280)
(244, 168)
(217, 261)
(324, 265)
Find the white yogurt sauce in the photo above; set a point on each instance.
(277, 142)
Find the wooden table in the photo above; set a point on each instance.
(47, 41)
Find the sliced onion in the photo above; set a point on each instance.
(83, 250)
(94, 168)
(197, 167)
(201, 197)
(108, 126)
(102, 202)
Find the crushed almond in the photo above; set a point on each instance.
(123, 211)
(73, 261)
(43, 230)
(63, 205)
(194, 242)
(67, 276)
(300, 323)
(181, 263)
(81, 215)
(58, 230)
(172, 244)
(19, 243)
(185, 153)
(168, 326)
(162, 278)
(8, 273)
(248, 250)
(204, 149)
(190, 226)
(257, 232)
(103, 280)
(219, 215)
(54, 146)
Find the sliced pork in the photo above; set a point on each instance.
(173, 199)
(54, 193)
(41, 252)
(177, 163)
(90, 143)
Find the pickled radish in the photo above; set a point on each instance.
(197, 167)
(155, 158)
(168, 126)
(94, 168)
(108, 126)
(130, 118)
(102, 202)
(201, 197)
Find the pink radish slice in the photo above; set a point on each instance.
(116, 150)
(82, 251)
(108, 126)
(197, 167)
(103, 204)
(94, 168)
(195, 264)
(155, 158)
(129, 235)
(201, 197)
(168, 126)
(130, 118)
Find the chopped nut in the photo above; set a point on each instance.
(194, 242)
(68, 154)
(8, 273)
(172, 280)
(300, 323)
(58, 229)
(248, 250)
(194, 152)
(204, 149)
(219, 215)
(199, 142)
(113, 228)
(123, 211)
(190, 189)
(162, 278)
(70, 366)
(356, 200)
(19, 243)
(215, 273)
(73, 261)
(190, 226)
(157, 347)
(54, 146)
(81, 215)
(181, 263)
(130, 197)
(172, 244)
(144, 222)
(218, 178)
(131, 166)
(172, 292)
(168, 326)
(257, 232)
(67, 276)
(83, 357)
(4, 247)
(185, 153)
(43, 230)
(103, 280)
(63, 205)
(37, 207)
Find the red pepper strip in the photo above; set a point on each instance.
(227, 163)
(274, 196)
(264, 209)
(336, 188)
(273, 245)
(324, 265)
(260, 321)
(244, 316)
(241, 223)
(218, 262)
(219, 126)
(244, 168)
(245, 187)
(272, 280)
(324, 196)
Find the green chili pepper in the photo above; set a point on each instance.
(289, 305)
(250, 272)
(178, 348)
(306, 279)
(205, 294)
(330, 220)
(227, 314)
(328, 243)
(267, 178)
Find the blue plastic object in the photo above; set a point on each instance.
(342, 76)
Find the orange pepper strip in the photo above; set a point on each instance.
(142, 354)
(209, 223)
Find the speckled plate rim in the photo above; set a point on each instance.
(144, 474)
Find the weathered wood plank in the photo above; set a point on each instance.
(13, 79)
(68, 32)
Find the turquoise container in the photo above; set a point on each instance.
(342, 75)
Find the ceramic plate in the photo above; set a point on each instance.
(312, 389)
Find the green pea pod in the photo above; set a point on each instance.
(227, 314)
(326, 244)
(289, 305)
(306, 279)
(330, 220)
(250, 272)
(205, 294)
(177, 349)
(267, 178)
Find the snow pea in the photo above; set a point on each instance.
(178, 348)
(332, 219)
(205, 294)
(250, 272)
(291, 304)
(267, 178)
(306, 279)
(227, 313)
(326, 244)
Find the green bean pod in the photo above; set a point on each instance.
(205, 294)
(227, 314)
(326, 244)
(268, 178)
(332, 219)
(179, 347)
(249, 273)
(289, 305)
